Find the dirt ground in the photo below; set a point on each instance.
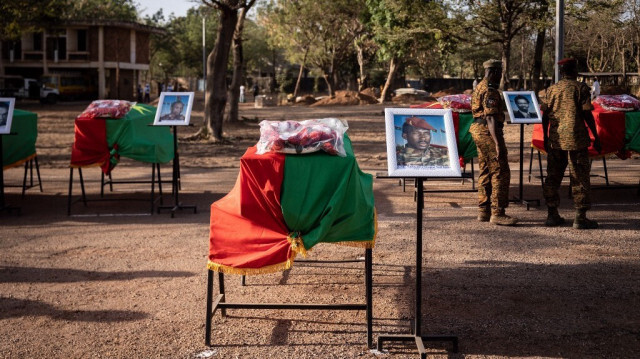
(113, 281)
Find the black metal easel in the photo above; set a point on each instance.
(220, 301)
(175, 183)
(416, 335)
(3, 206)
(520, 199)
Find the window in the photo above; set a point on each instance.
(37, 41)
(82, 40)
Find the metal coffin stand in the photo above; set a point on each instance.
(3, 206)
(416, 332)
(221, 303)
(155, 167)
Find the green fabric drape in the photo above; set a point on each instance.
(466, 146)
(632, 131)
(328, 198)
(133, 136)
(21, 146)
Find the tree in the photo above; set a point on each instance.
(28, 15)
(287, 24)
(320, 32)
(499, 21)
(400, 28)
(238, 62)
(216, 96)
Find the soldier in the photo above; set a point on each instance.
(418, 150)
(567, 107)
(494, 178)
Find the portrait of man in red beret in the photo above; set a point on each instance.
(418, 151)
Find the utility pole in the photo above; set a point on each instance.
(559, 36)
(204, 57)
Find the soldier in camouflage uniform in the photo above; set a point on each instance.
(418, 150)
(567, 107)
(495, 175)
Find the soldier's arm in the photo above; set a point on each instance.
(587, 107)
(491, 125)
(545, 131)
(544, 108)
(491, 108)
(591, 122)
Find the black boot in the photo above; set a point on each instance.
(582, 222)
(553, 217)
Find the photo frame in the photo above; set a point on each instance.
(518, 113)
(421, 143)
(7, 105)
(170, 112)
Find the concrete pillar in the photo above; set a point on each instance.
(132, 51)
(101, 71)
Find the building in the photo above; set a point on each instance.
(109, 57)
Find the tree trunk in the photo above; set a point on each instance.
(300, 73)
(537, 61)
(328, 78)
(506, 53)
(238, 73)
(393, 66)
(216, 97)
(362, 80)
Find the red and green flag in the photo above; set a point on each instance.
(283, 205)
(21, 147)
(101, 142)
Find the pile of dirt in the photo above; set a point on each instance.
(371, 91)
(445, 92)
(408, 98)
(346, 98)
(305, 100)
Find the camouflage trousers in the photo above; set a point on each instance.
(494, 173)
(580, 168)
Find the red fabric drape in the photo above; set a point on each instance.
(610, 126)
(90, 145)
(247, 229)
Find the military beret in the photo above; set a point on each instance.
(568, 62)
(492, 64)
(417, 122)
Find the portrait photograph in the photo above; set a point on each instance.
(421, 143)
(174, 109)
(6, 113)
(522, 106)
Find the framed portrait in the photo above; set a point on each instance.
(6, 113)
(522, 106)
(174, 109)
(421, 143)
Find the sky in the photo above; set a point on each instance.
(178, 7)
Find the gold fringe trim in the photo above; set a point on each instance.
(19, 162)
(279, 267)
(297, 245)
(83, 166)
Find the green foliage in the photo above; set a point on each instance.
(18, 16)
(402, 29)
(178, 52)
(122, 10)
